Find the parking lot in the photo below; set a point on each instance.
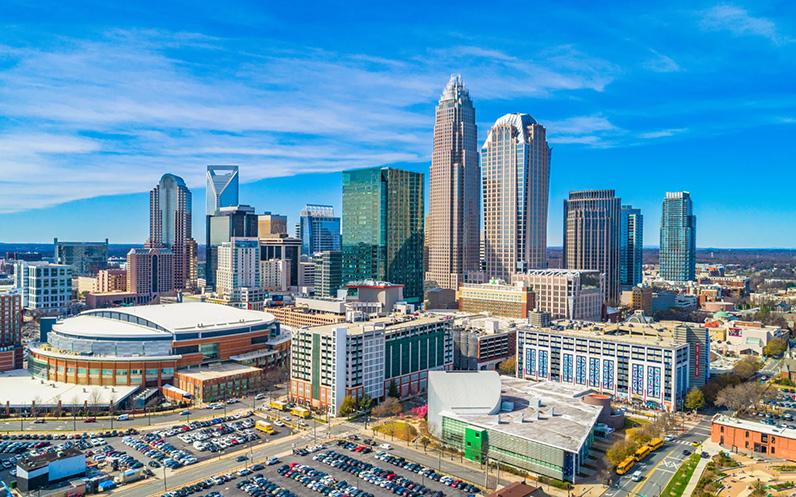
(344, 469)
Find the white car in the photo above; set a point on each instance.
(636, 476)
(385, 446)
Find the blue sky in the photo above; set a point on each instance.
(99, 99)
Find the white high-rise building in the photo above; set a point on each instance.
(275, 274)
(238, 267)
(566, 293)
(44, 287)
(515, 169)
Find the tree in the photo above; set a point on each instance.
(392, 391)
(390, 407)
(508, 367)
(425, 443)
(617, 452)
(365, 402)
(747, 367)
(775, 347)
(758, 489)
(348, 406)
(738, 398)
(639, 436)
(695, 399)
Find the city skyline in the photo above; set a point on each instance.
(670, 87)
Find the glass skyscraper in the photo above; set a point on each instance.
(222, 188)
(383, 228)
(515, 167)
(678, 238)
(631, 240)
(319, 229)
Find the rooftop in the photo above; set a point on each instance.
(549, 413)
(389, 324)
(750, 425)
(20, 390)
(216, 371)
(35, 462)
(659, 333)
(515, 489)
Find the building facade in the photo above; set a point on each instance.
(238, 267)
(275, 274)
(86, 258)
(271, 225)
(454, 190)
(319, 229)
(515, 167)
(221, 187)
(150, 271)
(566, 293)
(286, 249)
(631, 243)
(229, 222)
(591, 236)
(497, 298)
(112, 280)
(328, 273)
(329, 363)
(678, 238)
(753, 438)
(170, 204)
(651, 364)
(10, 330)
(45, 287)
(383, 228)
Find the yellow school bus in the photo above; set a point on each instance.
(655, 444)
(301, 412)
(625, 465)
(265, 427)
(278, 405)
(641, 453)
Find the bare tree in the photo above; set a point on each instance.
(741, 397)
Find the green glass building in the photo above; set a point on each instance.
(383, 228)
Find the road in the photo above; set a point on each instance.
(772, 367)
(659, 468)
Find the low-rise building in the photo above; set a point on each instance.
(566, 293)
(753, 438)
(545, 428)
(481, 342)
(497, 298)
(369, 358)
(112, 280)
(742, 337)
(220, 381)
(35, 472)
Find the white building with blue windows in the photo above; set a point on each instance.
(654, 365)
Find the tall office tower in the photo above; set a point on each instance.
(150, 271)
(10, 330)
(269, 224)
(222, 188)
(515, 167)
(631, 241)
(170, 227)
(383, 228)
(86, 258)
(454, 189)
(229, 222)
(678, 238)
(328, 277)
(238, 267)
(319, 229)
(591, 236)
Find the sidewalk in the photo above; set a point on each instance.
(711, 448)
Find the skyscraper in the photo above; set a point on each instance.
(319, 229)
(631, 241)
(454, 190)
(227, 223)
(270, 225)
(678, 238)
(591, 235)
(515, 166)
(86, 258)
(170, 227)
(238, 268)
(150, 271)
(222, 188)
(328, 279)
(383, 228)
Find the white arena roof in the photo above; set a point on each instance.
(181, 317)
(20, 390)
(86, 325)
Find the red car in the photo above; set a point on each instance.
(90, 420)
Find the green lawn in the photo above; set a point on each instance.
(680, 480)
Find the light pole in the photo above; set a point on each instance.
(164, 478)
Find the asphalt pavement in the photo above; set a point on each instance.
(659, 468)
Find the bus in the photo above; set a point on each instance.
(625, 465)
(655, 444)
(641, 453)
(301, 412)
(265, 427)
(278, 405)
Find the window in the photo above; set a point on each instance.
(721, 429)
(747, 434)
(772, 450)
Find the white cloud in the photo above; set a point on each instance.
(738, 21)
(660, 62)
(662, 133)
(111, 115)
